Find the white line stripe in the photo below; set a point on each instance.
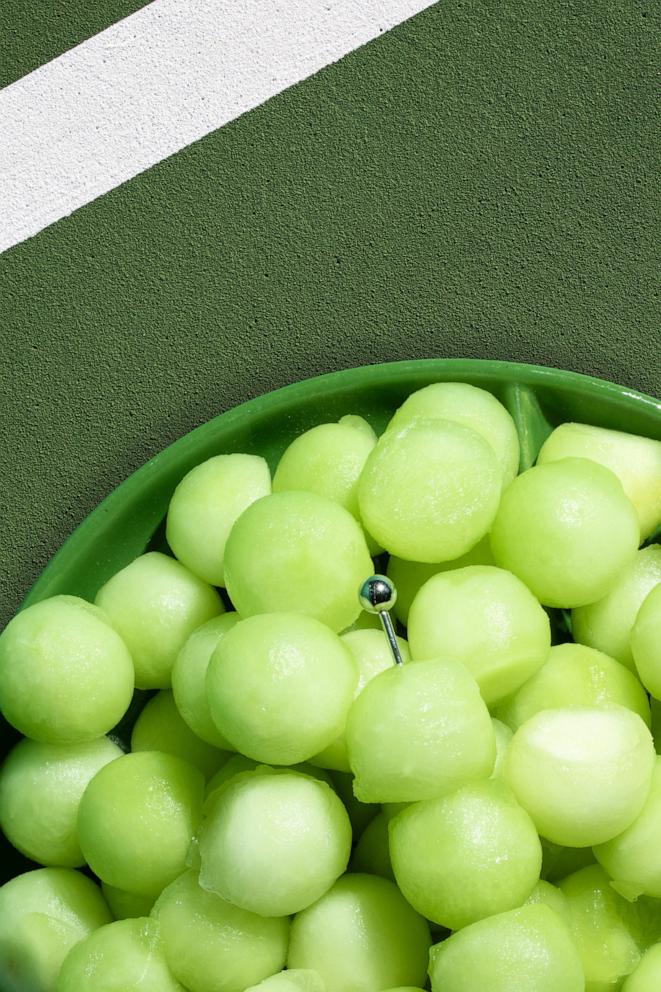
(155, 82)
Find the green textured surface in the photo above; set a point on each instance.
(471, 184)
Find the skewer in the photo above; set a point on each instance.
(378, 595)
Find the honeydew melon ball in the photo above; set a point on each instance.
(524, 950)
(429, 490)
(647, 975)
(125, 956)
(409, 577)
(126, 905)
(41, 786)
(608, 623)
(559, 861)
(233, 766)
(279, 687)
(503, 737)
(567, 530)
(43, 913)
(360, 936)
(575, 675)
(371, 653)
(636, 461)
(646, 642)
(137, 818)
(419, 731)
(160, 727)
(465, 856)
(372, 852)
(583, 773)
(297, 552)
(189, 674)
(551, 896)
(360, 814)
(55, 654)
(485, 618)
(474, 408)
(294, 980)
(214, 946)
(273, 843)
(156, 603)
(205, 506)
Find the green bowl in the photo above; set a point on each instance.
(131, 519)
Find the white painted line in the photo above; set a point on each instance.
(155, 82)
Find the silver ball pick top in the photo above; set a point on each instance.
(378, 595)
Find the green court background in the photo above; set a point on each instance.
(479, 182)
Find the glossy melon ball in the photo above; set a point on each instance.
(279, 687)
(41, 786)
(155, 604)
(297, 552)
(429, 490)
(137, 818)
(485, 618)
(372, 852)
(361, 936)
(205, 506)
(213, 946)
(273, 842)
(126, 905)
(567, 530)
(292, 980)
(126, 956)
(646, 642)
(647, 975)
(551, 896)
(65, 675)
(583, 773)
(160, 727)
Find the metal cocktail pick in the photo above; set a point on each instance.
(378, 595)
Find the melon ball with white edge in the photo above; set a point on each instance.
(360, 936)
(212, 945)
(273, 841)
(189, 674)
(574, 675)
(43, 913)
(292, 980)
(583, 773)
(485, 618)
(53, 656)
(41, 786)
(137, 818)
(646, 977)
(206, 504)
(156, 603)
(471, 406)
(372, 654)
(646, 642)
(418, 731)
(524, 950)
(160, 727)
(297, 552)
(465, 856)
(279, 687)
(567, 530)
(429, 490)
(125, 956)
(608, 623)
(635, 460)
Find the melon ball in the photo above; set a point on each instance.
(583, 773)
(279, 687)
(551, 896)
(155, 604)
(474, 408)
(485, 618)
(126, 956)
(465, 856)
(418, 731)
(646, 642)
(213, 946)
(41, 786)
(274, 842)
(189, 675)
(234, 765)
(292, 980)
(575, 675)
(205, 506)
(503, 737)
(43, 913)
(646, 977)
(430, 490)
(372, 852)
(518, 951)
(137, 818)
(607, 624)
(125, 905)
(360, 936)
(360, 814)
(297, 552)
(65, 675)
(160, 727)
(567, 530)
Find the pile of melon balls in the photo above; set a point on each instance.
(298, 813)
